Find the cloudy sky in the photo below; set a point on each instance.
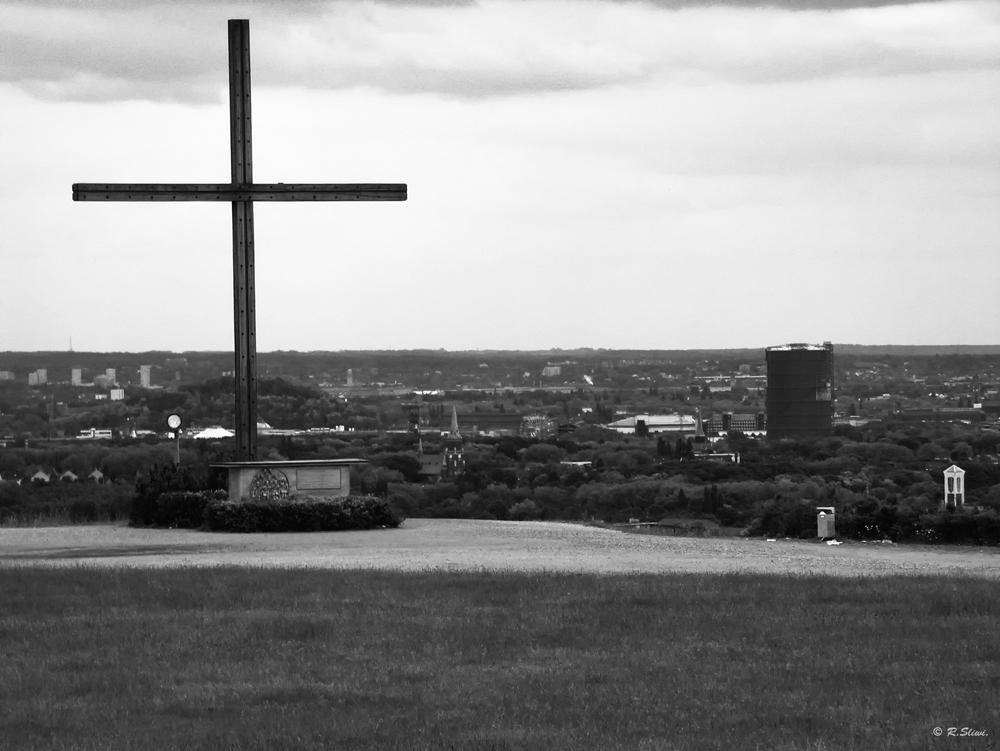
(582, 173)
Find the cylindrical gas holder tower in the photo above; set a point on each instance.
(800, 390)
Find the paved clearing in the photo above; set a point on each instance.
(454, 544)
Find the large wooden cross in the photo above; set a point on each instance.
(241, 192)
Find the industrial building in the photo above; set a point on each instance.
(799, 398)
(681, 425)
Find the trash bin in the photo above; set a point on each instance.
(825, 527)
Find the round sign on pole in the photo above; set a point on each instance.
(174, 423)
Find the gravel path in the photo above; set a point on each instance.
(421, 544)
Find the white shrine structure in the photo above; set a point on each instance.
(954, 486)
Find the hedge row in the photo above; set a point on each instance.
(64, 502)
(302, 515)
(185, 509)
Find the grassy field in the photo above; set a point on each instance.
(238, 658)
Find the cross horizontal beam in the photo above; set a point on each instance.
(239, 192)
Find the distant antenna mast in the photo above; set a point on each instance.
(71, 344)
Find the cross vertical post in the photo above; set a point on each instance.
(245, 325)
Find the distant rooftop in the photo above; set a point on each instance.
(787, 347)
(654, 421)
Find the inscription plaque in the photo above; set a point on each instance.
(318, 478)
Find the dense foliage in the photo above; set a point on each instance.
(165, 495)
(884, 479)
(885, 482)
(887, 485)
(63, 502)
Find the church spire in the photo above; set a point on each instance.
(454, 455)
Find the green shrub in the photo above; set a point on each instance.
(149, 488)
(302, 515)
(963, 527)
(525, 511)
(185, 509)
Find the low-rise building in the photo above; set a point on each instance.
(750, 424)
(96, 434)
(681, 425)
(941, 414)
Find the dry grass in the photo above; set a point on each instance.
(424, 544)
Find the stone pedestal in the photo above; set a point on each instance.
(275, 481)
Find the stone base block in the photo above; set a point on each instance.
(276, 481)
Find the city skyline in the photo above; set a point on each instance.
(667, 175)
